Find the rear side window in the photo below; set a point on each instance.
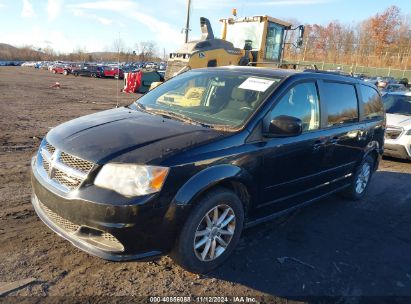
(341, 103)
(373, 107)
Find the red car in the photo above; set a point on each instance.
(64, 69)
(113, 72)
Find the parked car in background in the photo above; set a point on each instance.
(187, 166)
(115, 72)
(91, 71)
(398, 134)
(132, 68)
(57, 69)
(360, 76)
(64, 69)
(29, 64)
(151, 65)
(45, 65)
(339, 72)
(162, 66)
(382, 82)
(393, 87)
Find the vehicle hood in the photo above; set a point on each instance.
(129, 136)
(397, 120)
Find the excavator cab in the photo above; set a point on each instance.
(263, 36)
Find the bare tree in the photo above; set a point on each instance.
(147, 50)
(118, 45)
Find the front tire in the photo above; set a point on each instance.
(65, 72)
(361, 180)
(211, 232)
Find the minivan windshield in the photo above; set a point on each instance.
(397, 104)
(217, 99)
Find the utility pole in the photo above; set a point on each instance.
(187, 28)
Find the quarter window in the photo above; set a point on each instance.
(341, 103)
(373, 107)
(301, 102)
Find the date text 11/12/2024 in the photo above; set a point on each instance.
(202, 299)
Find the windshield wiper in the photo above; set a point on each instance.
(178, 116)
(140, 106)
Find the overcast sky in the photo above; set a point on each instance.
(94, 25)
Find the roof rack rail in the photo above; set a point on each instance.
(284, 65)
(342, 73)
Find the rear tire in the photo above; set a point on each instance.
(211, 232)
(65, 72)
(361, 180)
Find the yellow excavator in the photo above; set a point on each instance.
(257, 41)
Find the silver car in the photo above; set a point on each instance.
(398, 133)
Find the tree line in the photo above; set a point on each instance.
(383, 40)
(142, 51)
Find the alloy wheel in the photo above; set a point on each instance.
(214, 233)
(363, 178)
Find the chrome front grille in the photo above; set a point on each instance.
(66, 172)
(50, 148)
(46, 165)
(58, 220)
(70, 227)
(69, 181)
(393, 132)
(75, 162)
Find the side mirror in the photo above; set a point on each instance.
(300, 38)
(283, 126)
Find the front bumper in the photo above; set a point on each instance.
(398, 148)
(138, 230)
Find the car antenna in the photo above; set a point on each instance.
(118, 67)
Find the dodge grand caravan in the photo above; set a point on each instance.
(190, 164)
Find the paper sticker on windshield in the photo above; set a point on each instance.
(256, 84)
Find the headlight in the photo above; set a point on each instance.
(131, 180)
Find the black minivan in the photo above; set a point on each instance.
(190, 164)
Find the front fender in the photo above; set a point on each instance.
(210, 177)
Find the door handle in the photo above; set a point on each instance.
(333, 140)
(318, 144)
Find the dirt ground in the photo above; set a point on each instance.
(332, 251)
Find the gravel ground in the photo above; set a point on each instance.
(333, 251)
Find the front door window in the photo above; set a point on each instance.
(301, 101)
